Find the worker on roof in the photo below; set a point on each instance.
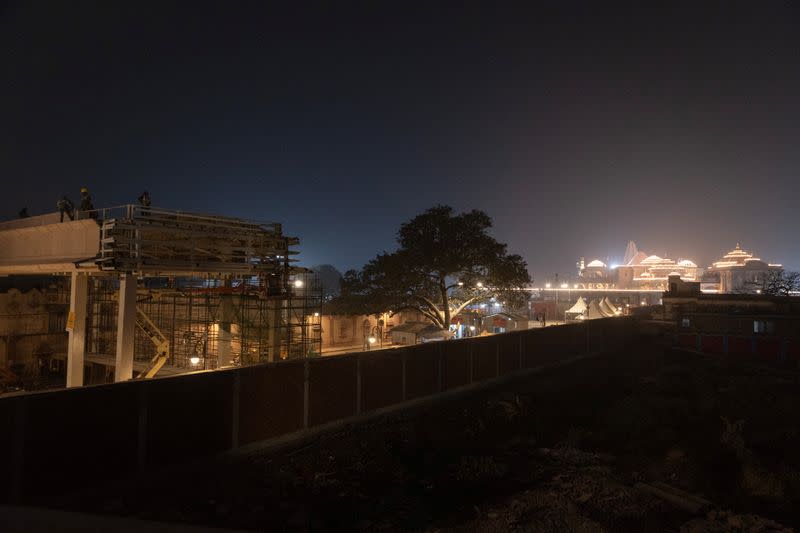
(65, 205)
(144, 199)
(86, 203)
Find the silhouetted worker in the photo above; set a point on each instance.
(65, 205)
(144, 202)
(86, 203)
(23, 213)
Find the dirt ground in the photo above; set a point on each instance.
(646, 440)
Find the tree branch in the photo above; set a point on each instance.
(465, 304)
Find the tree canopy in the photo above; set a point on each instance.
(780, 283)
(445, 262)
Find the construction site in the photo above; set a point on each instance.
(144, 291)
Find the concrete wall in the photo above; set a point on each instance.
(25, 326)
(68, 438)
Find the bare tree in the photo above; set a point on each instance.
(775, 283)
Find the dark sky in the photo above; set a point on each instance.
(575, 128)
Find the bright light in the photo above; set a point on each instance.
(372, 340)
(194, 360)
(460, 283)
(758, 291)
(575, 286)
(546, 285)
(472, 328)
(298, 283)
(316, 314)
(483, 306)
(565, 285)
(480, 285)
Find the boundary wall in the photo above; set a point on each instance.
(768, 349)
(55, 441)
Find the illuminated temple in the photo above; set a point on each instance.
(737, 271)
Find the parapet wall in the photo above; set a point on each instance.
(63, 439)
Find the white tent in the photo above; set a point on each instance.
(594, 311)
(577, 311)
(578, 308)
(608, 307)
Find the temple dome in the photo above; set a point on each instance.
(687, 263)
(652, 259)
(596, 264)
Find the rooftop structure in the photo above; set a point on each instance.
(154, 288)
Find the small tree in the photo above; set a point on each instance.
(780, 283)
(444, 263)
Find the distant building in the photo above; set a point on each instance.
(417, 332)
(737, 272)
(639, 271)
(503, 322)
(755, 326)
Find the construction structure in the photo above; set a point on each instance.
(156, 291)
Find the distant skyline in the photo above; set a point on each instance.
(575, 128)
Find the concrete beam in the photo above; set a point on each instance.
(76, 346)
(126, 328)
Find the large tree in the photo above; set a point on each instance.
(445, 262)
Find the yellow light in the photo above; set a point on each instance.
(480, 285)
(298, 283)
(547, 285)
(194, 360)
(372, 340)
(316, 314)
(565, 285)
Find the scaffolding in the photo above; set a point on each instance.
(210, 323)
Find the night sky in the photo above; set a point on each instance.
(576, 129)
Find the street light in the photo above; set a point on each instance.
(298, 283)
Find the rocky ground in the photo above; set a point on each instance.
(646, 440)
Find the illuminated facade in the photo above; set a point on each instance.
(640, 271)
(738, 271)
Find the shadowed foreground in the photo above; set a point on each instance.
(628, 441)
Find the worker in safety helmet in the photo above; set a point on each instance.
(86, 203)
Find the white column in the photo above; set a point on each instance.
(224, 356)
(126, 326)
(76, 325)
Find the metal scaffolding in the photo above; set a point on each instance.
(208, 323)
